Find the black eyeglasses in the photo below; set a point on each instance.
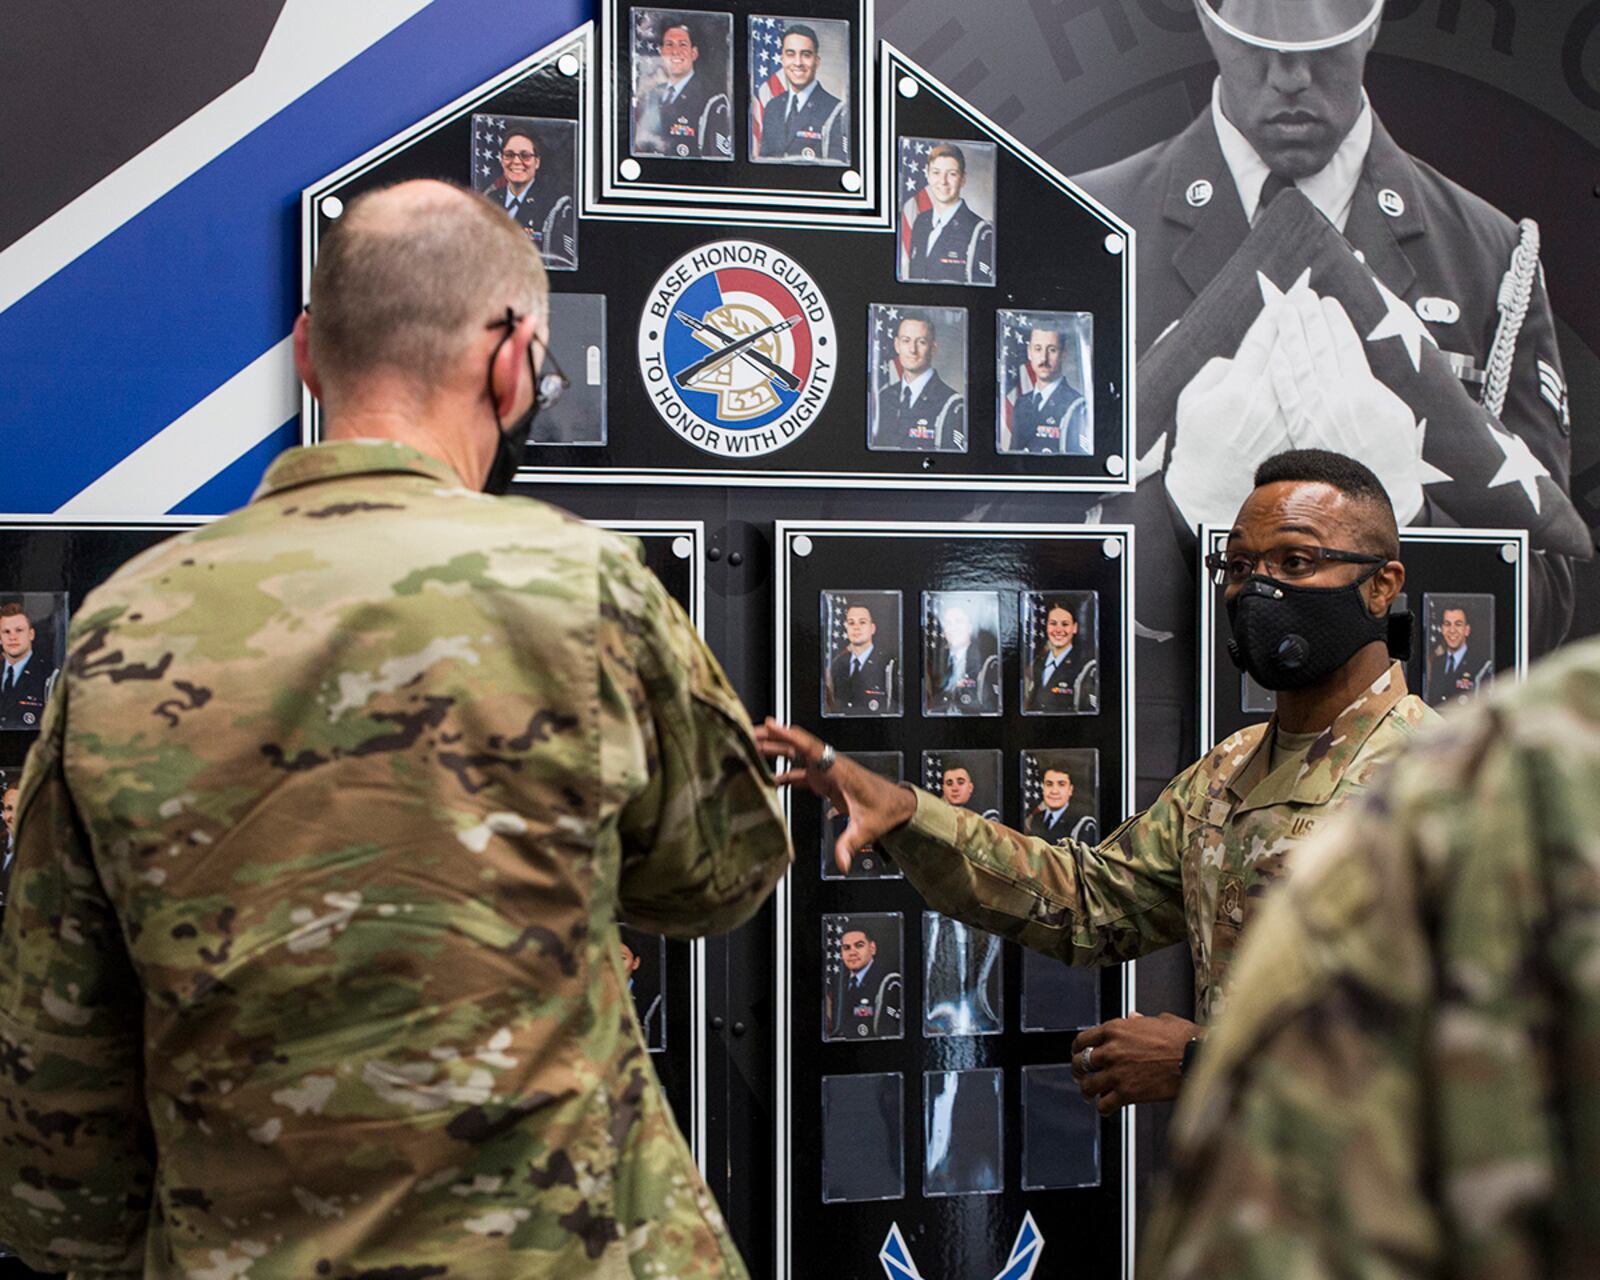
(1284, 563)
(552, 382)
(522, 157)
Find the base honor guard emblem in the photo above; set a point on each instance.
(737, 348)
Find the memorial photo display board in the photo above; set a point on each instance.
(939, 1052)
(1466, 594)
(849, 277)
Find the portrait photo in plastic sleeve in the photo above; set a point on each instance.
(966, 779)
(961, 991)
(644, 960)
(870, 862)
(1060, 653)
(528, 166)
(962, 1130)
(682, 67)
(861, 667)
(1060, 1131)
(1044, 362)
(947, 211)
(1460, 639)
(961, 653)
(578, 348)
(799, 91)
(863, 1137)
(1061, 795)
(863, 989)
(33, 645)
(1057, 996)
(917, 387)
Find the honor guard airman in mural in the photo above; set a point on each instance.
(913, 407)
(944, 239)
(794, 118)
(519, 162)
(322, 850)
(1289, 115)
(682, 84)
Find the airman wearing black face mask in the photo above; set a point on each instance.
(1310, 571)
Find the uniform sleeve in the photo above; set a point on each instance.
(704, 840)
(75, 1140)
(1083, 904)
(1378, 1100)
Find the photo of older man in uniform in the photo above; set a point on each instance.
(1289, 110)
(1313, 552)
(914, 408)
(1459, 667)
(794, 119)
(943, 239)
(683, 81)
(1044, 368)
(526, 184)
(1061, 674)
(863, 997)
(27, 675)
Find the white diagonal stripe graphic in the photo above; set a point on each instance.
(211, 436)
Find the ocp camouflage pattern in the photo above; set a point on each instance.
(1194, 866)
(311, 961)
(1407, 1083)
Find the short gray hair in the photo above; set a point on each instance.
(410, 275)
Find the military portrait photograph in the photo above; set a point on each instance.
(1061, 795)
(33, 646)
(961, 991)
(861, 670)
(1044, 361)
(644, 961)
(1060, 653)
(966, 779)
(1060, 1131)
(862, 986)
(1058, 996)
(682, 69)
(799, 91)
(529, 167)
(947, 211)
(578, 350)
(869, 862)
(961, 653)
(863, 1137)
(917, 387)
(1459, 634)
(963, 1132)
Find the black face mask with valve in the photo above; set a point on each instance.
(1289, 637)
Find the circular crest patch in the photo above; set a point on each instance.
(737, 348)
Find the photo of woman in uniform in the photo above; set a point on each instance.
(947, 211)
(528, 167)
(917, 399)
(682, 84)
(1060, 653)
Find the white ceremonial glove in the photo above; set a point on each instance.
(1333, 400)
(1228, 423)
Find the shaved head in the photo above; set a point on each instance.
(408, 278)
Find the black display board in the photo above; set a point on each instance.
(956, 1198)
(1484, 571)
(738, 261)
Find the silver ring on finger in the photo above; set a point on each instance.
(1088, 1064)
(826, 759)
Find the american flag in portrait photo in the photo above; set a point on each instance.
(886, 370)
(488, 140)
(766, 72)
(913, 188)
(1015, 374)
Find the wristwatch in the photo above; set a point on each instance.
(1191, 1055)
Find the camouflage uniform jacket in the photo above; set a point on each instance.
(1194, 865)
(1407, 1083)
(311, 962)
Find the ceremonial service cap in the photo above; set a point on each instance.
(1293, 26)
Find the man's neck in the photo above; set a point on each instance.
(19, 659)
(1313, 709)
(679, 81)
(1047, 386)
(916, 381)
(861, 973)
(943, 211)
(861, 650)
(427, 431)
(803, 93)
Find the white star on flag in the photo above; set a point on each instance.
(1427, 473)
(1520, 466)
(1270, 293)
(1401, 322)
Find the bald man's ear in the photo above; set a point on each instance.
(1384, 586)
(303, 363)
(509, 373)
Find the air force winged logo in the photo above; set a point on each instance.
(1024, 1260)
(737, 348)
